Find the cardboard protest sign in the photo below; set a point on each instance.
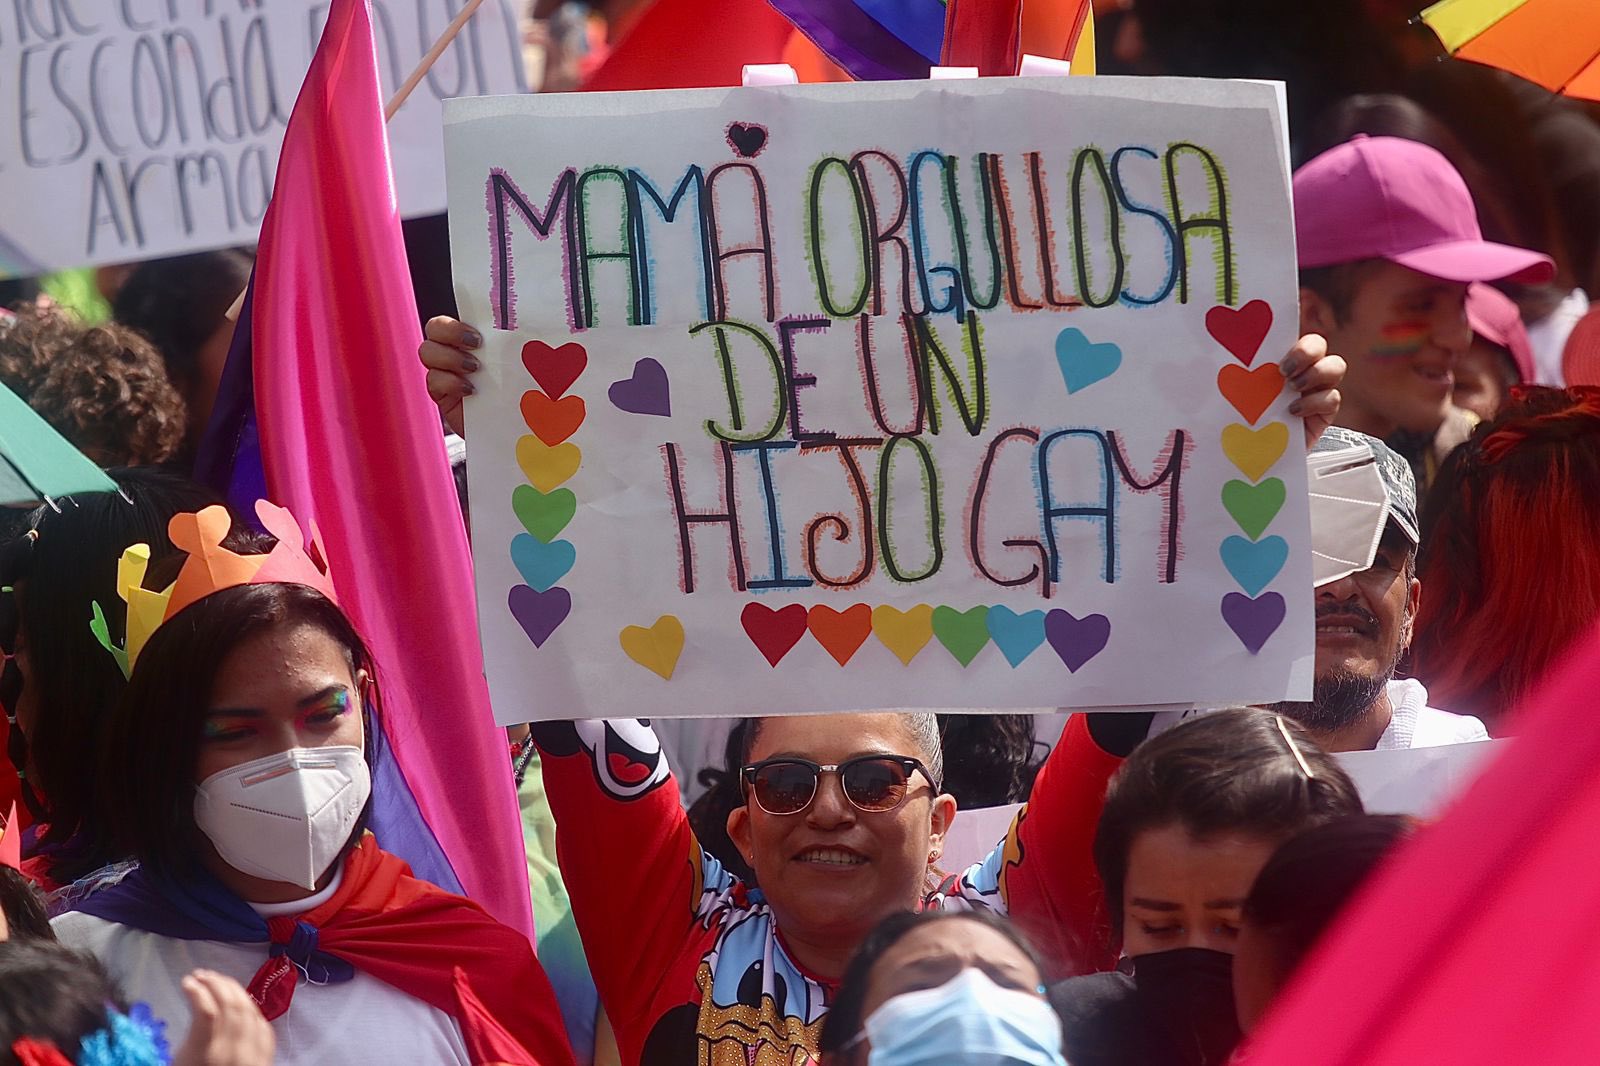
(145, 128)
(947, 394)
(1417, 781)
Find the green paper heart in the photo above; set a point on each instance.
(542, 514)
(1253, 506)
(963, 633)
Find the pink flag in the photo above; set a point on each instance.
(351, 441)
(1476, 946)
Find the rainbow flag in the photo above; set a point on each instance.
(323, 405)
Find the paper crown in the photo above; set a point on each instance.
(209, 568)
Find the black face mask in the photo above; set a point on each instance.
(1187, 995)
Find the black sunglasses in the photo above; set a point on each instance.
(872, 783)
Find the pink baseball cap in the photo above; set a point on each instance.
(1494, 317)
(1390, 198)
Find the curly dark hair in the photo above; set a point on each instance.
(104, 388)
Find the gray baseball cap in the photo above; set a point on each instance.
(1398, 480)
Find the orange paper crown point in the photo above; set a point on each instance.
(11, 840)
(209, 568)
(292, 561)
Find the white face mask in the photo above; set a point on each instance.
(287, 816)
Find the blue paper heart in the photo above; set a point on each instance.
(1254, 564)
(1016, 635)
(1082, 361)
(541, 564)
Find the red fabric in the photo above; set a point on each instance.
(488, 1041)
(37, 869)
(1058, 901)
(1475, 946)
(31, 1052)
(682, 44)
(429, 944)
(986, 34)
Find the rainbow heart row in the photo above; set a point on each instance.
(1253, 560)
(776, 632)
(548, 460)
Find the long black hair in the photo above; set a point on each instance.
(153, 739)
(72, 681)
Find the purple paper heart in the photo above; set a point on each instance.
(1076, 640)
(1253, 621)
(539, 613)
(645, 393)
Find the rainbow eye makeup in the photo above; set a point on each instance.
(1401, 338)
(223, 729)
(328, 709)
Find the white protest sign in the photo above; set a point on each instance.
(131, 129)
(941, 394)
(1415, 781)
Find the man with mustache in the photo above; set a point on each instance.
(1364, 625)
(1364, 619)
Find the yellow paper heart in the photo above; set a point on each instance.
(904, 632)
(545, 466)
(656, 648)
(1254, 451)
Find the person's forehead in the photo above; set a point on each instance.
(1172, 855)
(957, 939)
(1386, 278)
(834, 735)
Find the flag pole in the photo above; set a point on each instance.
(431, 58)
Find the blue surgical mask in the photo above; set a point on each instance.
(967, 1021)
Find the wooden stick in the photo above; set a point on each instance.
(431, 58)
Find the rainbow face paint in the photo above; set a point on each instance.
(327, 710)
(1400, 339)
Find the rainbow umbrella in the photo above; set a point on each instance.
(1554, 43)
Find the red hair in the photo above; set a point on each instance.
(1510, 563)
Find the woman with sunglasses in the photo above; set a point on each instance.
(843, 822)
(237, 773)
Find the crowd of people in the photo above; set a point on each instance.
(198, 883)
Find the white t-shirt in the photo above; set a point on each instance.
(362, 1020)
(1413, 725)
(1416, 725)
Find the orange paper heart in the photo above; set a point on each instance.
(552, 421)
(841, 633)
(1250, 391)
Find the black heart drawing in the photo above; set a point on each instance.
(747, 139)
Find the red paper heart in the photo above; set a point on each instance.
(552, 421)
(774, 632)
(841, 633)
(1241, 331)
(555, 369)
(1250, 391)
